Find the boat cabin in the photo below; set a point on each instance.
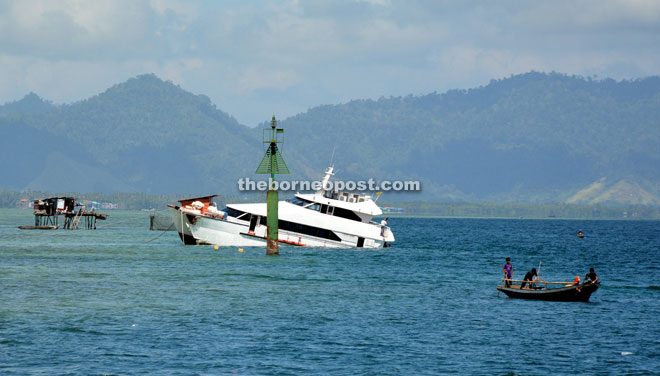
(54, 205)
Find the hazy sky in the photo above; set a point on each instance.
(259, 58)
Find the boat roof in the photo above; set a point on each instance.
(187, 201)
(365, 207)
(252, 208)
(360, 203)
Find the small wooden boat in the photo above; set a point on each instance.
(38, 227)
(568, 292)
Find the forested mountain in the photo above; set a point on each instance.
(141, 135)
(529, 137)
(532, 137)
(31, 103)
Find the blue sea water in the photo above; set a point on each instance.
(125, 300)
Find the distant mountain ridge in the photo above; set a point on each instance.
(534, 137)
(31, 103)
(143, 135)
(621, 192)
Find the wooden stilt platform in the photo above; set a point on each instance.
(47, 213)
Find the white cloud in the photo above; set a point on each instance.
(186, 11)
(589, 15)
(60, 80)
(73, 29)
(300, 54)
(260, 77)
(376, 2)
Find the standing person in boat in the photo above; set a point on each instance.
(591, 277)
(383, 224)
(529, 277)
(508, 272)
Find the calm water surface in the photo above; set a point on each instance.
(125, 300)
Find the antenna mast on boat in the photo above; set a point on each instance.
(332, 158)
(272, 163)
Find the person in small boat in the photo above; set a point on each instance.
(580, 234)
(508, 272)
(591, 277)
(529, 277)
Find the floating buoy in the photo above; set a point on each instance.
(240, 250)
(216, 247)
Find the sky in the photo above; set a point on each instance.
(255, 59)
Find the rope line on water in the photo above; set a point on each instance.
(164, 232)
(112, 224)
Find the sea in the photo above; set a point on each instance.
(123, 300)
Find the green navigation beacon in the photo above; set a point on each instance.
(272, 164)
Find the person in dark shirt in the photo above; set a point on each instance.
(529, 277)
(591, 277)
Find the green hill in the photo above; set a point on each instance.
(530, 137)
(141, 135)
(533, 137)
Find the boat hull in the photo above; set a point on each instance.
(182, 223)
(226, 233)
(574, 293)
(223, 233)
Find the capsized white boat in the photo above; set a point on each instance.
(332, 219)
(184, 214)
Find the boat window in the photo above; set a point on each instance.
(304, 203)
(296, 201)
(348, 214)
(237, 214)
(304, 229)
(307, 230)
(314, 206)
